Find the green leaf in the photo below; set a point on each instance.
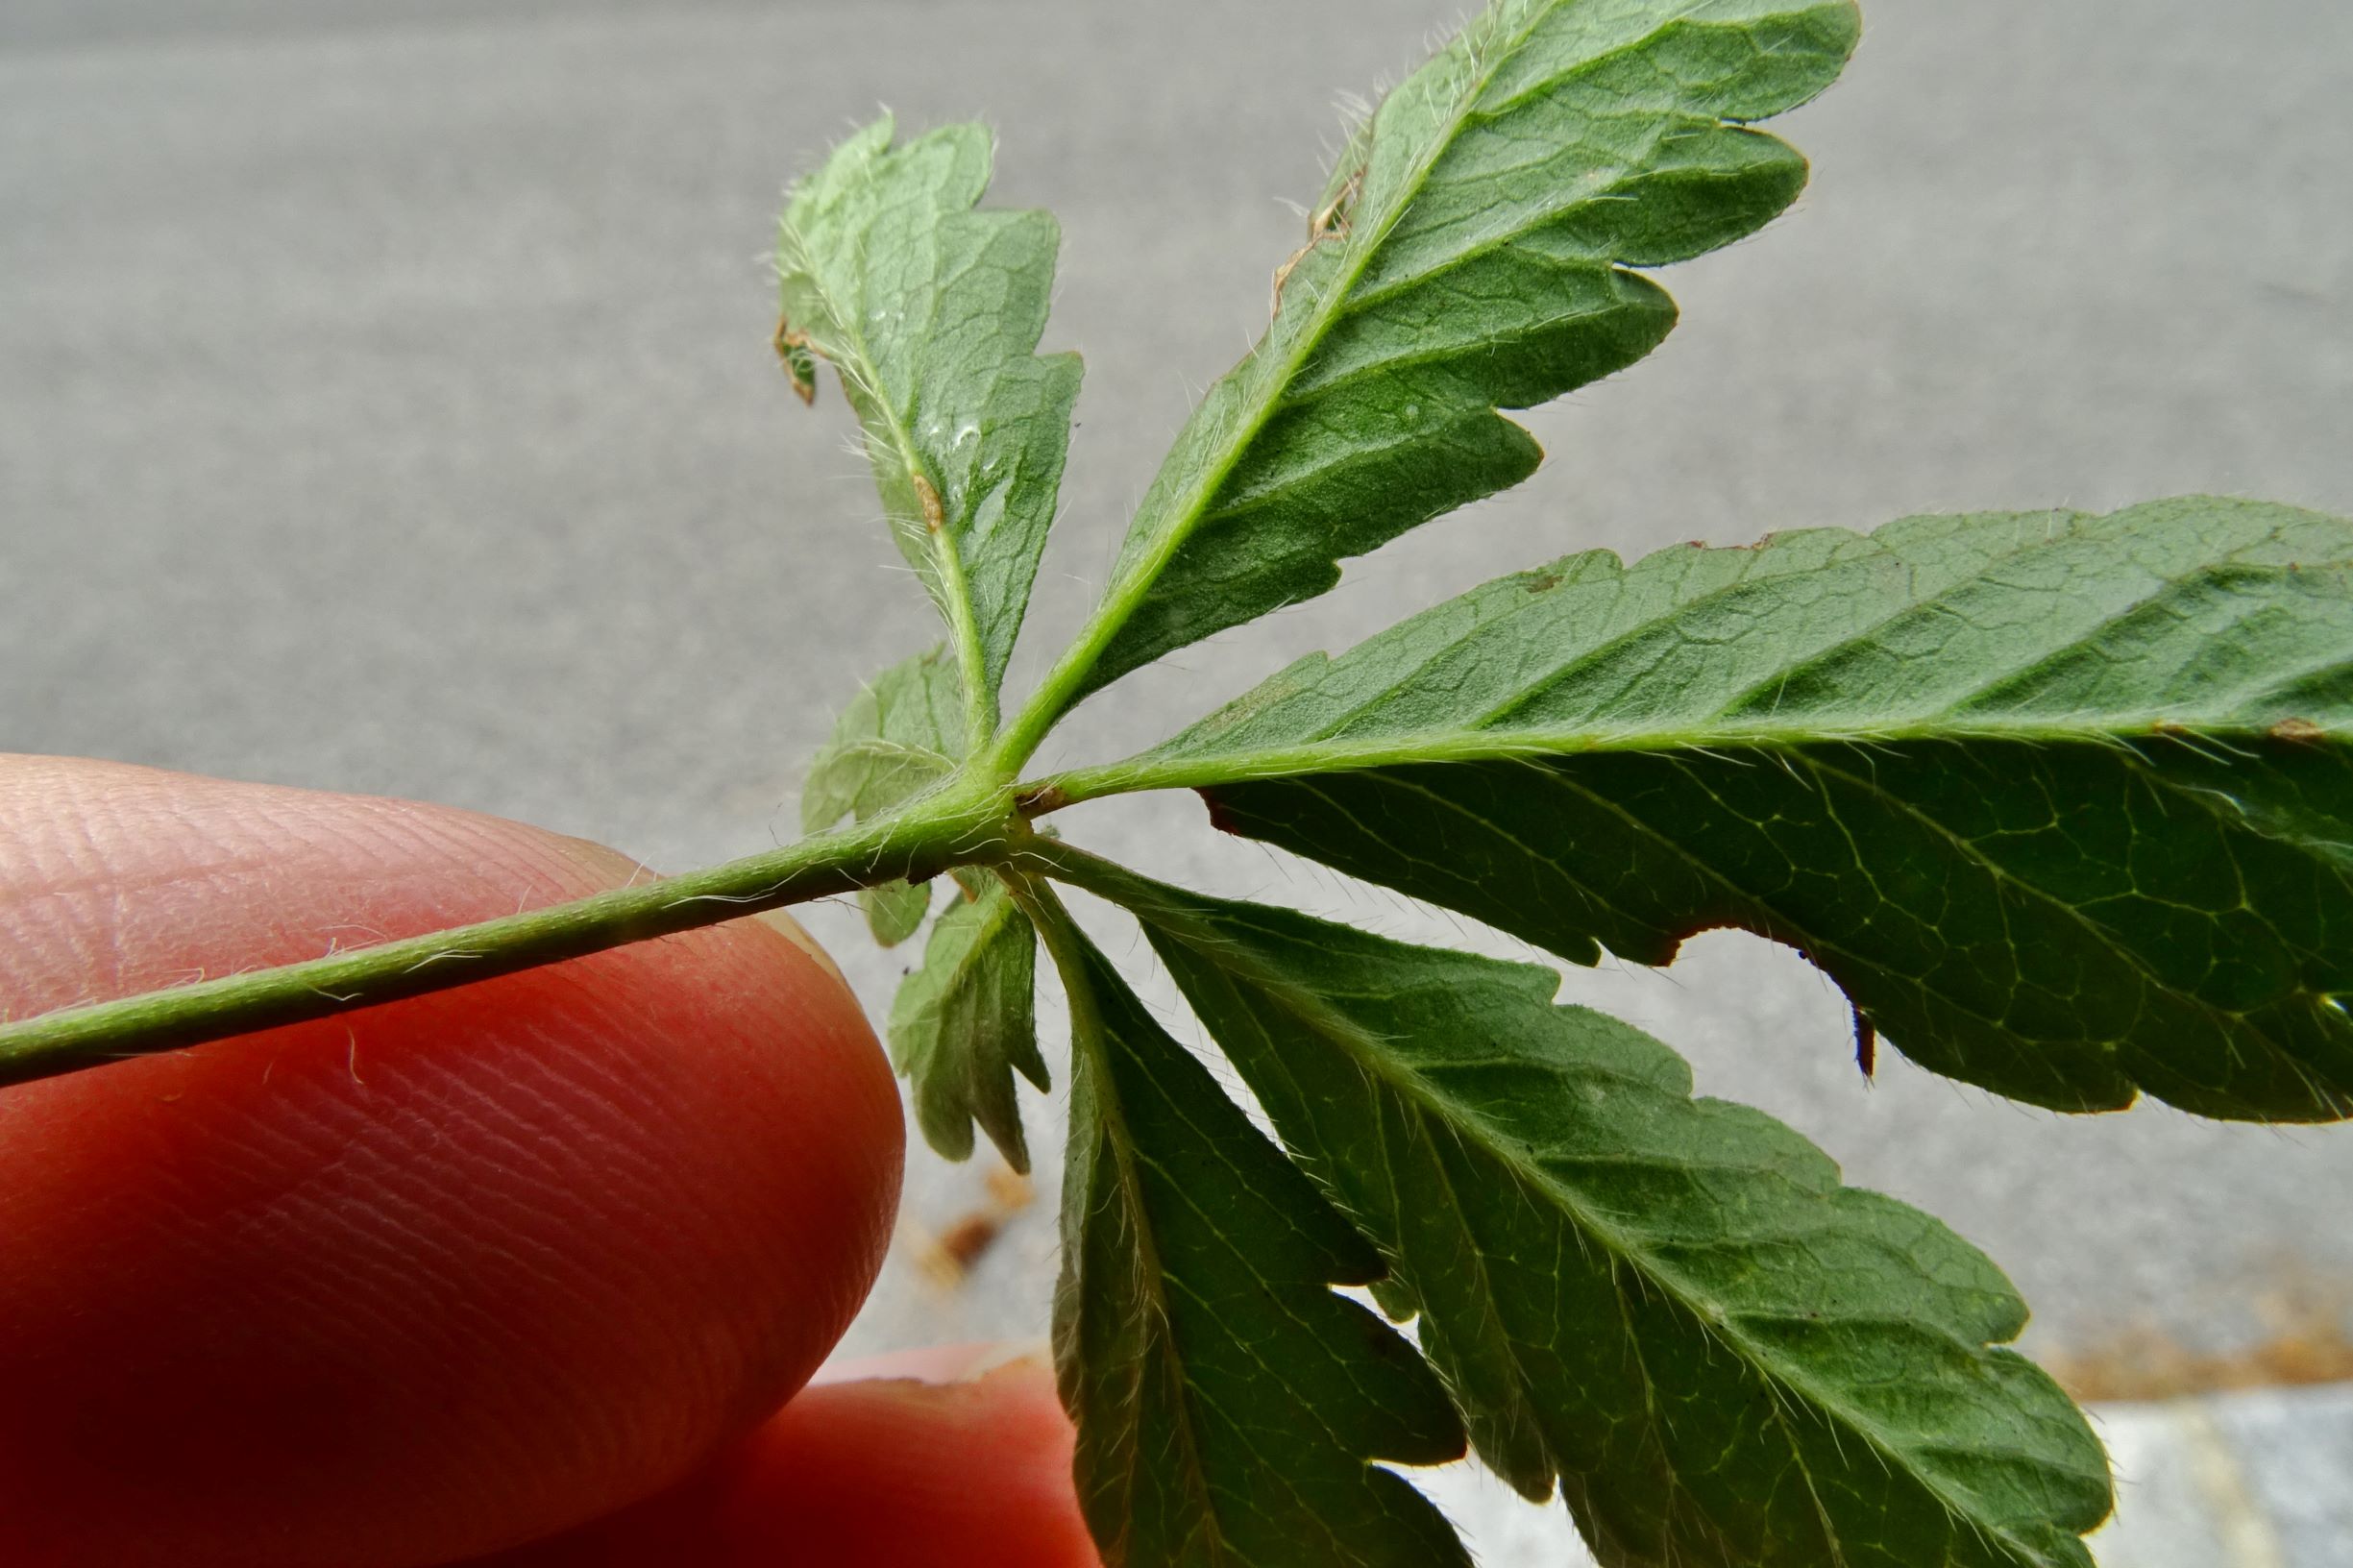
(1471, 255)
(898, 738)
(965, 1022)
(1229, 1405)
(895, 910)
(932, 311)
(2064, 803)
(1669, 1303)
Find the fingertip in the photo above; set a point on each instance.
(402, 1286)
(868, 1473)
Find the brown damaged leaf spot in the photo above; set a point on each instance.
(2299, 731)
(793, 348)
(1220, 819)
(1283, 275)
(1041, 800)
(1332, 218)
(1866, 1044)
(1328, 221)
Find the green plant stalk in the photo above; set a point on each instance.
(964, 822)
(955, 598)
(979, 696)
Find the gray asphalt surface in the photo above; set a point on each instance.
(386, 405)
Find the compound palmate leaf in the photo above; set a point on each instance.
(932, 311)
(1229, 1405)
(1472, 256)
(965, 1022)
(2064, 803)
(1671, 1304)
(898, 737)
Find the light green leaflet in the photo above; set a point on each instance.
(965, 1022)
(898, 738)
(932, 311)
(1727, 1360)
(2060, 801)
(1229, 1405)
(1471, 255)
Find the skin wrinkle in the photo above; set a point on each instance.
(450, 1271)
(112, 903)
(787, 1495)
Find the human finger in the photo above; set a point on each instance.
(928, 1464)
(427, 1279)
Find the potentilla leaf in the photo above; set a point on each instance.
(932, 311)
(1668, 1305)
(1471, 255)
(1229, 1404)
(895, 910)
(965, 1022)
(898, 738)
(2064, 803)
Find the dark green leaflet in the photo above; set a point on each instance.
(2062, 801)
(1474, 258)
(1724, 1357)
(1229, 1405)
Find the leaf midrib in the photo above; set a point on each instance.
(1208, 770)
(1089, 1031)
(1084, 783)
(1132, 587)
(1429, 1100)
(963, 619)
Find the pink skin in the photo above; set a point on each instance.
(441, 1277)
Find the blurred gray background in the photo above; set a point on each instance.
(386, 404)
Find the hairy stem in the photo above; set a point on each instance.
(955, 826)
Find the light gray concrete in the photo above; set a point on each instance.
(386, 405)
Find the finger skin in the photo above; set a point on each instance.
(870, 1474)
(429, 1279)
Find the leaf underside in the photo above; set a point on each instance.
(931, 311)
(1472, 256)
(1228, 1404)
(2064, 803)
(898, 738)
(965, 1022)
(895, 910)
(1670, 1305)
